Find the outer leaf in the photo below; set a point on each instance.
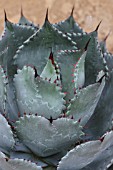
(83, 105)
(53, 160)
(100, 75)
(19, 164)
(69, 25)
(24, 21)
(109, 60)
(93, 61)
(67, 59)
(103, 113)
(103, 44)
(27, 156)
(110, 165)
(14, 36)
(2, 155)
(80, 38)
(3, 91)
(20, 151)
(36, 49)
(89, 155)
(45, 96)
(47, 139)
(6, 136)
(94, 57)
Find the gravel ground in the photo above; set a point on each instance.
(87, 13)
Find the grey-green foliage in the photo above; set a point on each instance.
(89, 155)
(55, 94)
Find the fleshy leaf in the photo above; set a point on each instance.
(3, 90)
(79, 72)
(13, 37)
(6, 136)
(100, 75)
(47, 99)
(28, 156)
(80, 38)
(50, 72)
(19, 164)
(94, 57)
(103, 44)
(69, 25)
(103, 112)
(24, 21)
(45, 138)
(93, 61)
(67, 59)
(36, 49)
(85, 102)
(110, 165)
(90, 155)
(109, 60)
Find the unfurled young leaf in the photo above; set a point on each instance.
(51, 70)
(79, 72)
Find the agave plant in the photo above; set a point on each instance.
(55, 97)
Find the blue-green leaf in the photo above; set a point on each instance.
(69, 25)
(93, 61)
(67, 61)
(83, 105)
(24, 21)
(90, 155)
(47, 138)
(44, 95)
(79, 72)
(6, 136)
(103, 112)
(35, 50)
(19, 164)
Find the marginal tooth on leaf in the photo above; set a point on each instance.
(69, 34)
(64, 35)
(98, 26)
(60, 32)
(72, 11)
(69, 38)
